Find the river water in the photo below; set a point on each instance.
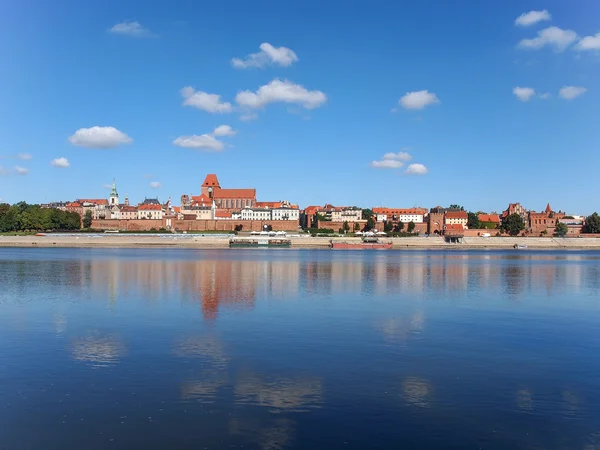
(257, 349)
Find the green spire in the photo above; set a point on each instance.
(114, 188)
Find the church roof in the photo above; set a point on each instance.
(211, 180)
(548, 208)
(235, 193)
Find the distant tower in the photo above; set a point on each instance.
(126, 199)
(114, 196)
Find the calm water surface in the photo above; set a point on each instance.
(183, 349)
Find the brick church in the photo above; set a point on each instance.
(225, 199)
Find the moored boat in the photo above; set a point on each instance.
(259, 242)
(520, 246)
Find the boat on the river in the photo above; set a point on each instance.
(260, 242)
(367, 243)
(520, 246)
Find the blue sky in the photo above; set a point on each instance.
(335, 78)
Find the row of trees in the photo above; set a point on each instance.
(514, 224)
(24, 217)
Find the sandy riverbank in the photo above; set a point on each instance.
(211, 242)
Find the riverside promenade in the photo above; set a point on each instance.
(222, 241)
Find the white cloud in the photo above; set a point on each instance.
(532, 17)
(248, 116)
(21, 170)
(571, 92)
(387, 164)
(202, 100)
(545, 96)
(61, 163)
(133, 29)
(224, 130)
(24, 156)
(416, 169)
(281, 56)
(281, 91)
(155, 184)
(418, 99)
(204, 141)
(553, 36)
(523, 93)
(99, 137)
(589, 43)
(400, 156)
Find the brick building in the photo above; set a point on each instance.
(544, 222)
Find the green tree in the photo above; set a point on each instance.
(346, 226)
(513, 224)
(592, 224)
(370, 223)
(561, 229)
(411, 226)
(459, 207)
(388, 226)
(473, 221)
(87, 219)
(356, 226)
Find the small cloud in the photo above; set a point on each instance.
(400, 156)
(589, 43)
(99, 137)
(133, 29)
(387, 164)
(281, 91)
(248, 116)
(554, 37)
(268, 55)
(532, 17)
(61, 163)
(203, 142)
(545, 96)
(207, 102)
(21, 170)
(524, 93)
(224, 130)
(418, 99)
(155, 184)
(571, 92)
(24, 156)
(416, 169)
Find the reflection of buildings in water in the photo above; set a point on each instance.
(205, 388)
(288, 394)
(209, 348)
(97, 349)
(60, 322)
(401, 329)
(275, 434)
(417, 392)
(524, 400)
(571, 403)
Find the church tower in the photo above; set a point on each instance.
(114, 196)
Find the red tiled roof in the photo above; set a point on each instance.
(73, 205)
(235, 193)
(200, 199)
(177, 209)
(96, 201)
(128, 208)
(457, 215)
(311, 210)
(222, 214)
(492, 218)
(398, 211)
(211, 180)
(268, 204)
(454, 227)
(150, 208)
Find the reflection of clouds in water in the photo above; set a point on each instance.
(274, 436)
(204, 389)
(571, 403)
(98, 350)
(524, 400)
(283, 393)
(203, 347)
(401, 329)
(60, 323)
(417, 392)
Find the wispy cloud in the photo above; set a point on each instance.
(203, 100)
(155, 184)
(21, 170)
(132, 29)
(24, 156)
(60, 163)
(524, 94)
(554, 37)
(571, 92)
(418, 99)
(532, 17)
(268, 55)
(281, 91)
(99, 137)
(589, 43)
(391, 160)
(416, 169)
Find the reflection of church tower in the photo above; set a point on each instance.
(114, 196)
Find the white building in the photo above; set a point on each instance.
(346, 215)
(263, 214)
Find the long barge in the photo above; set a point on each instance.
(260, 242)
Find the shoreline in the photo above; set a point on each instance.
(222, 242)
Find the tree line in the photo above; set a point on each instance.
(24, 217)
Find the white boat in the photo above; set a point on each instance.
(520, 246)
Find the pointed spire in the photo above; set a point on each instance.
(548, 208)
